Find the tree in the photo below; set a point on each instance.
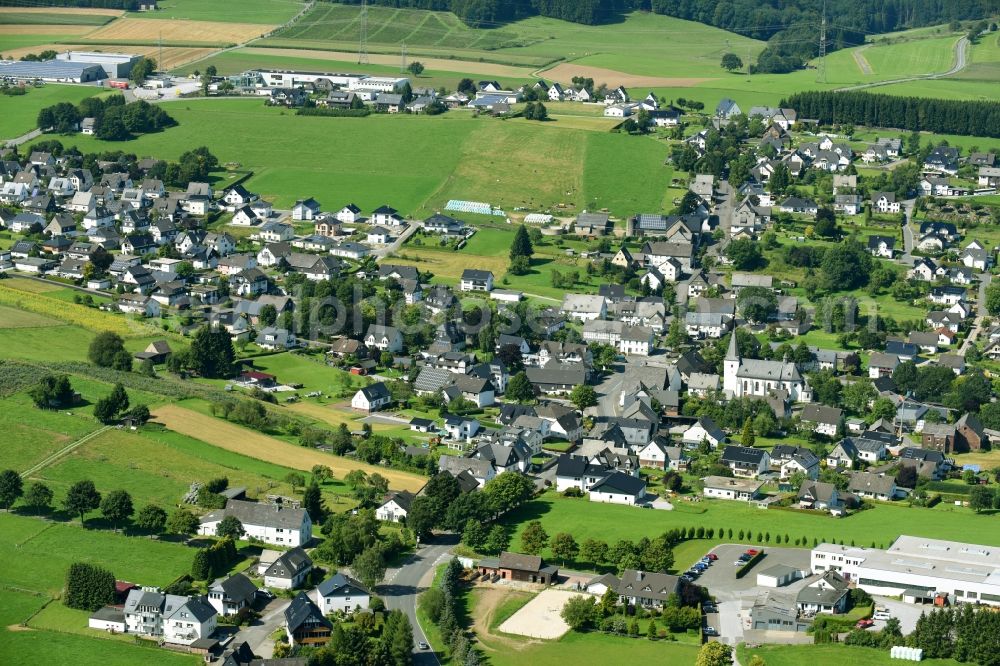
(474, 535)
(757, 304)
(117, 507)
(104, 348)
(981, 497)
(578, 611)
(369, 566)
(826, 223)
(497, 541)
(534, 538)
(89, 587)
(731, 62)
(295, 480)
(230, 527)
(268, 315)
(151, 518)
(10, 488)
(182, 522)
(758, 660)
(416, 68)
(779, 180)
(857, 395)
(508, 491)
(883, 408)
(714, 654)
(52, 392)
(993, 299)
(212, 354)
(564, 547)
(38, 496)
(82, 498)
(521, 245)
(109, 407)
(312, 502)
(520, 389)
(748, 438)
(593, 551)
(745, 254)
(467, 87)
(141, 70)
(583, 396)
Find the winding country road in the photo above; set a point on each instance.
(961, 59)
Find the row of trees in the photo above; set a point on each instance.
(970, 118)
(83, 497)
(442, 606)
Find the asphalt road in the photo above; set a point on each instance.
(403, 585)
(258, 634)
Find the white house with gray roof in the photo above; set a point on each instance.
(270, 523)
(758, 377)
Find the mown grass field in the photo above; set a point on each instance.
(232, 437)
(32, 434)
(591, 648)
(824, 655)
(159, 466)
(53, 18)
(976, 82)
(881, 525)
(225, 11)
(416, 163)
(39, 552)
(21, 113)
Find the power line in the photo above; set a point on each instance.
(822, 46)
(363, 46)
(402, 64)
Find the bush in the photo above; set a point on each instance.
(745, 569)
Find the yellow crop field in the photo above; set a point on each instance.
(82, 316)
(209, 32)
(238, 439)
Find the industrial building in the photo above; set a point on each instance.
(116, 65)
(320, 80)
(52, 71)
(918, 569)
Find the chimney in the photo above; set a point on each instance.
(638, 575)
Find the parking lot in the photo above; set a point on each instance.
(730, 591)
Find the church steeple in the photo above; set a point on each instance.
(734, 351)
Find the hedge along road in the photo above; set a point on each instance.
(250, 443)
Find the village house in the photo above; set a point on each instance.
(342, 593)
(270, 523)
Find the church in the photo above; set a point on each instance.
(756, 378)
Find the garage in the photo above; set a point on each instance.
(778, 576)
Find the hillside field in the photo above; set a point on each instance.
(417, 163)
(226, 11)
(21, 113)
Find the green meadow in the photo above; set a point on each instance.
(881, 525)
(53, 18)
(227, 11)
(20, 113)
(416, 163)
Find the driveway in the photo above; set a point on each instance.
(403, 585)
(907, 614)
(258, 635)
(609, 393)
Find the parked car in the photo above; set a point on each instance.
(710, 631)
(864, 624)
(423, 646)
(712, 556)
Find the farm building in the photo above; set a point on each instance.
(115, 65)
(53, 71)
(515, 566)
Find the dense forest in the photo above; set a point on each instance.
(909, 113)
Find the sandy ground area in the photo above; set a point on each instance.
(488, 599)
(566, 71)
(231, 437)
(445, 64)
(179, 31)
(540, 617)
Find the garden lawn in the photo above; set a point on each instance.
(50, 647)
(593, 648)
(881, 525)
(38, 554)
(824, 655)
(20, 113)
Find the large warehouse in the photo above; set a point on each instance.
(918, 569)
(53, 71)
(116, 65)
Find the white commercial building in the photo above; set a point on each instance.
(918, 569)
